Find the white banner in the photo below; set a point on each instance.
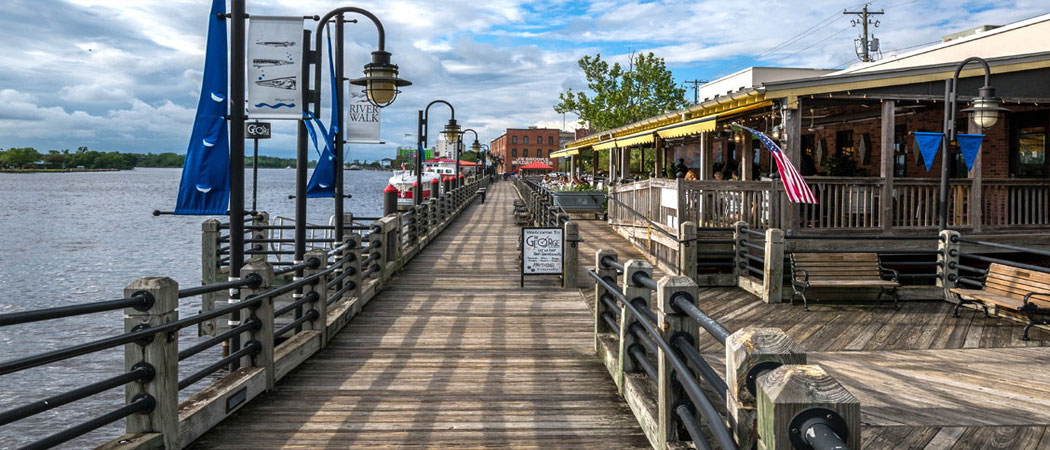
(362, 118)
(275, 50)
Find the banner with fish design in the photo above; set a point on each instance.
(275, 67)
(205, 185)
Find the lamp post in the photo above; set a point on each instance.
(475, 147)
(451, 132)
(984, 111)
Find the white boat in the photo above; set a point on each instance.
(433, 169)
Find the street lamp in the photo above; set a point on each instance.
(476, 147)
(984, 111)
(451, 132)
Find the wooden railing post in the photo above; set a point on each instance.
(599, 306)
(264, 314)
(791, 396)
(210, 273)
(687, 248)
(631, 292)
(571, 263)
(434, 217)
(319, 286)
(260, 219)
(773, 276)
(948, 261)
(671, 323)
(353, 257)
(740, 261)
(161, 352)
(751, 352)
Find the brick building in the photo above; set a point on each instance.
(520, 146)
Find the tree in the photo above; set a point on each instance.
(17, 157)
(619, 97)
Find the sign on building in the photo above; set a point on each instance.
(274, 58)
(542, 251)
(524, 161)
(362, 119)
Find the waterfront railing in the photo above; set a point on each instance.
(262, 340)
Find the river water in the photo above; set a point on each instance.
(67, 238)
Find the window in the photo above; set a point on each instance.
(525, 139)
(900, 152)
(514, 140)
(525, 151)
(844, 143)
(539, 140)
(550, 140)
(514, 153)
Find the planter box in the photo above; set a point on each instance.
(579, 201)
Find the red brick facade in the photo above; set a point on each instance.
(520, 146)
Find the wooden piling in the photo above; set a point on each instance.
(792, 392)
(161, 352)
(671, 323)
(749, 351)
(264, 314)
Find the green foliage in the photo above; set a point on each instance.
(619, 97)
(842, 165)
(17, 157)
(90, 159)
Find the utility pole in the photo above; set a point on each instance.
(865, 46)
(696, 89)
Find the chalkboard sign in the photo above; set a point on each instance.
(542, 251)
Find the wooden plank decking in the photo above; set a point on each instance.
(453, 354)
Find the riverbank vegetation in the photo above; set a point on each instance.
(28, 158)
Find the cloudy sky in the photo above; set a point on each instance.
(125, 74)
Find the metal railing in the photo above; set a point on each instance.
(332, 279)
(662, 343)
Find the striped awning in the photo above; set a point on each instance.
(565, 152)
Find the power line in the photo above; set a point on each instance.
(804, 33)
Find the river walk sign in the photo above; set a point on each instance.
(542, 251)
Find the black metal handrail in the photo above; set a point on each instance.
(250, 348)
(252, 280)
(140, 301)
(311, 263)
(721, 434)
(1019, 265)
(141, 373)
(142, 403)
(1002, 246)
(855, 237)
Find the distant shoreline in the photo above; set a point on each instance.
(55, 170)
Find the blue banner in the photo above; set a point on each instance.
(969, 145)
(205, 185)
(322, 181)
(929, 144)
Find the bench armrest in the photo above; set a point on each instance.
(894, 274)
(795, 274)
(1034, 294)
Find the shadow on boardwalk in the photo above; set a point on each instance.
(454, 353)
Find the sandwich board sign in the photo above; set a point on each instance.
(542, 251)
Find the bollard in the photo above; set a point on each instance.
(750, 353)
(435, 188)
(672, 323)
(571, 261)
(389, 199)
(161, 352)
(632, 292)
(261, 219)
(263, 312)
(210, 274)
(773, 276)
(801, 404)
(599, 306)
(687, 248)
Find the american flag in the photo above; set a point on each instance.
(794, 185)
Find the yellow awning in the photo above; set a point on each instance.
(566, 152)
(704, 124)
(644, 137)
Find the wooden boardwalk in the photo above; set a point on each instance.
(925, 380)
(452, 354)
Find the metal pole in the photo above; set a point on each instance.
(338, 106)
(237, 67)
(255, 175)
(417, 195)
(301, 162)
(459, 149)
(942, 196)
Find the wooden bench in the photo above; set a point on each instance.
(841, 271)
(1025, 291)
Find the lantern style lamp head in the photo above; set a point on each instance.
(476, 146)
(452, 131)
(986, 108)
(380, 81)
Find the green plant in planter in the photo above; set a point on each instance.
(842, 165)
